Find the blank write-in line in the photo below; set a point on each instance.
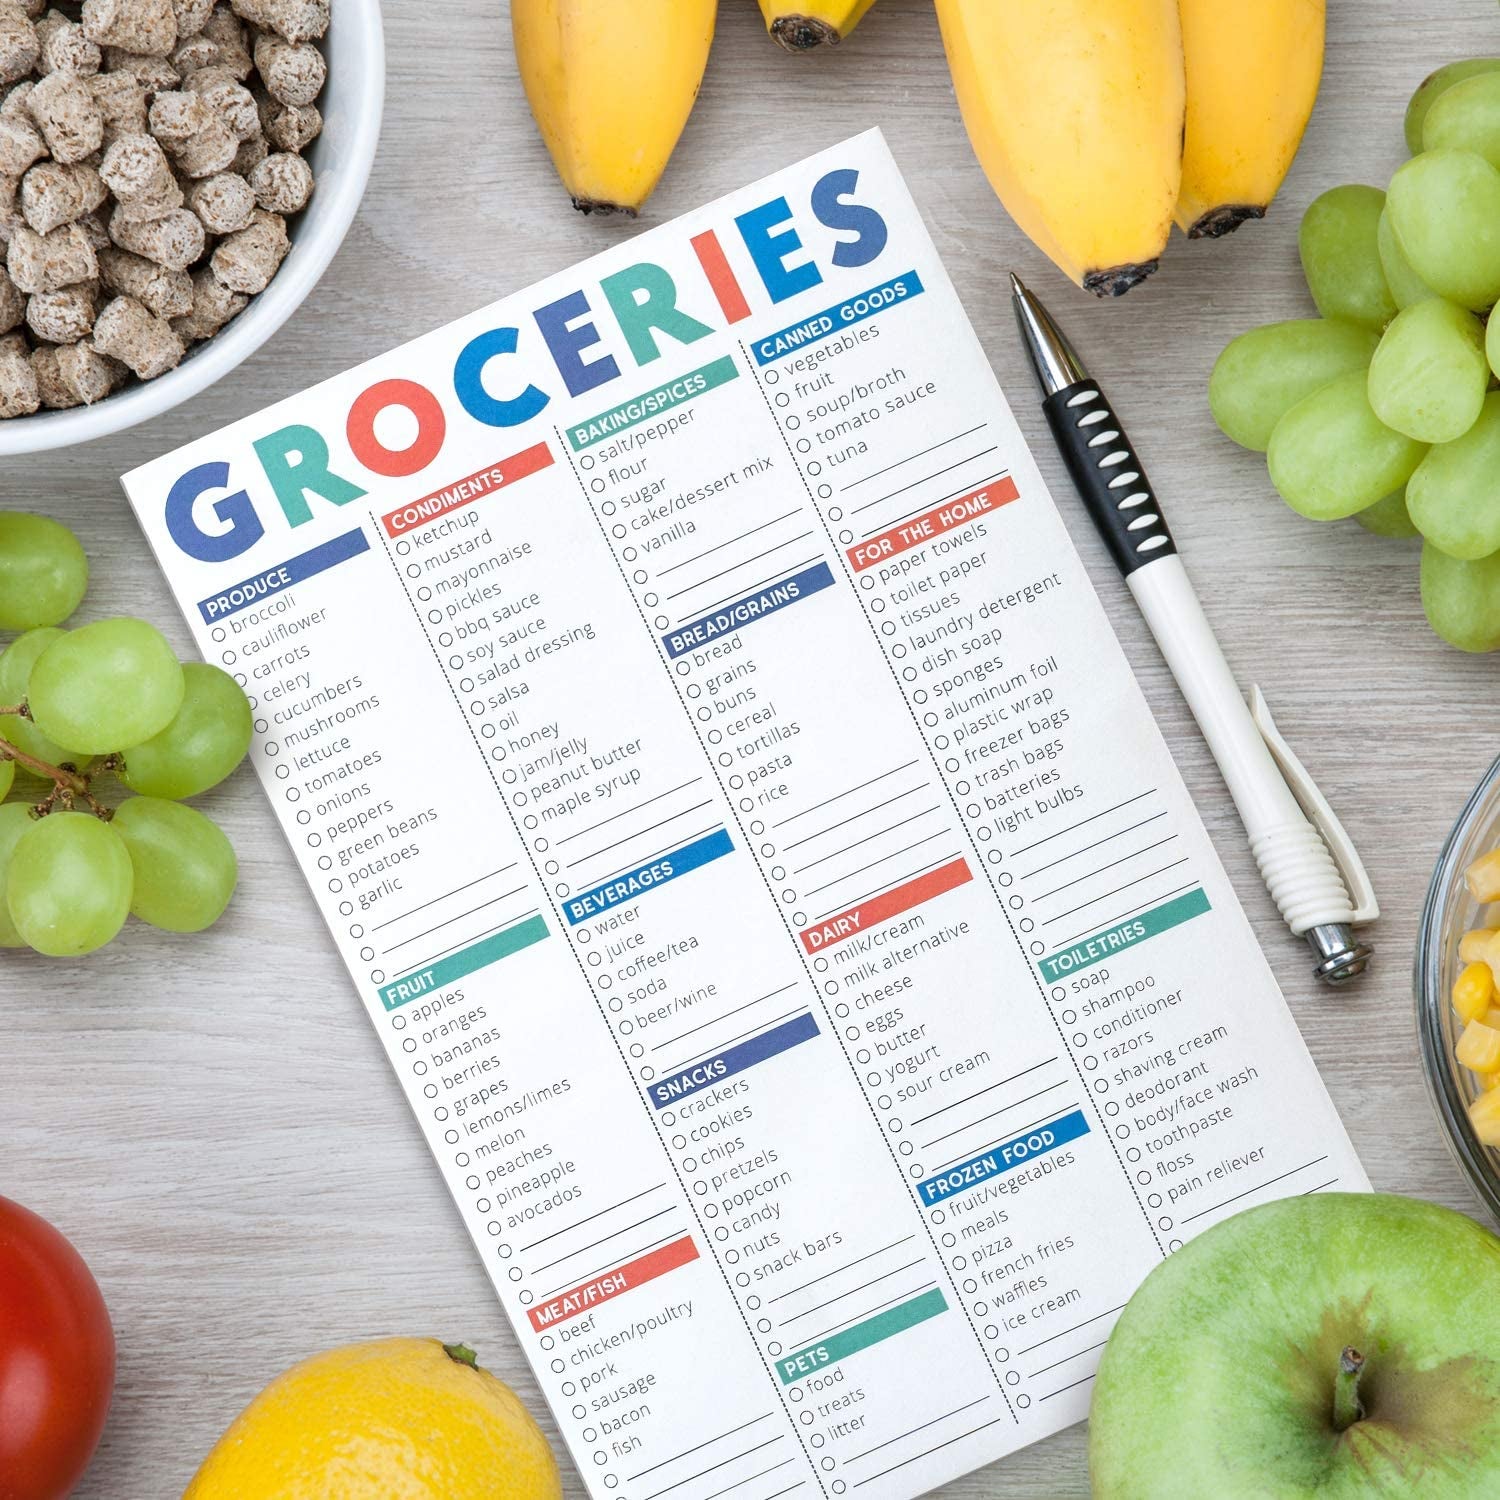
(680, 841)
(417, 937)
(698, 1447)
(917, 1291)
(1260, 1187)
(1004, 1108)
(879, 833)
(739, 1484)
(401, 916)
(625, 812)
(969, 487)
(1012, 1130)
(1100, 869)
(1108, 838)
(1052, 1338)
(911, 458)
(1096, 926)
(756, 1030)
(1067, 1359)
(719, 546)
(1072, 827)
(921, 1427)
(617, 1260)
(987, 1089)
(744, 562)
(1072, 1385)
(828, 885)
(597, 1214)
(583, 859)
(839, 796)
(807, 1312)
(783, 572)
(724, 1016)
(927, 1452)
(594, 1244)
(712, 1468)
(926, 479)
(839, 1270)
(477, 937)
(807, 838)
(1140, 879)
(881, 889)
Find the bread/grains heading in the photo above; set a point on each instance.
(150, 153)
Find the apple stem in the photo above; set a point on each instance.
(1347, 1407)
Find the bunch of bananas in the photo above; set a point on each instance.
(1098, 122)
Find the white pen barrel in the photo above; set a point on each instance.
(1293, 859)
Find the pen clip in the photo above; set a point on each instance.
(1319, 813)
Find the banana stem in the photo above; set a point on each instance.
(1347, 1407)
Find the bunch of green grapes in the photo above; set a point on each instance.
(1382, 408)
(104, 699)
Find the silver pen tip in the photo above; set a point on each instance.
(1017, 286)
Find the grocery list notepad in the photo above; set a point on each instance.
(749, 841)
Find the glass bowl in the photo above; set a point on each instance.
(1450, 912)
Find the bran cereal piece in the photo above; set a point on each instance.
(191, 16)
(19, 45)
(296, 20)
(130, 333)
(52, 194)
(122, 102)
(19, 396)
(88, 375)
(12, 303)
(199, 141)
(94, 231)
(20, 145)
(228, 98)
(246, 261)
(282, 183)
(174, 239)
(213, 306)
(62, 107)
(63, 316)
(45, 262)
(65, 49)
(289, 127)
(168, 294)
(152, 73)
(294, 73)
(227, 33)
(225, 202)
(250, 155)
(55, 393)
(136, 170)
(147, 27)
(13, 105)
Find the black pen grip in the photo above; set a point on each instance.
(1110, 478)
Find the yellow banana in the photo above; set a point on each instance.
(611, 83)
(816, 24)
(1075, 110)
(1252, 75)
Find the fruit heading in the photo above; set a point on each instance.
(507, 376)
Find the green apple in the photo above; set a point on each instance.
(1335, 1346)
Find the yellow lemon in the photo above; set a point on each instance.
(398, 1419)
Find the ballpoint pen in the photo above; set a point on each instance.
(1305, 858)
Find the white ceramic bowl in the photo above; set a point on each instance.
(341, 158)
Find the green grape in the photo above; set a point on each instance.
(69, 884)
(1262, 374)
(16, 663)
(43, 572)
(15, 819)
(1445, 212)
(1467, 116)
(1341, 256)
(185, 869)
(1406, 286)
(1491, 353)
(1331, 456)
(1429, 375)
(1389, 518)
(106, 686)
(1433, 87)
(1462, 599)
(201, 746)
(1454, 497)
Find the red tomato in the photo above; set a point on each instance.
(57, 1359)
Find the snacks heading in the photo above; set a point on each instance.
(491, 380)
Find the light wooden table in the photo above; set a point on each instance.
(212, 1121)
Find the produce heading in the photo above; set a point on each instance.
(590, 338)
